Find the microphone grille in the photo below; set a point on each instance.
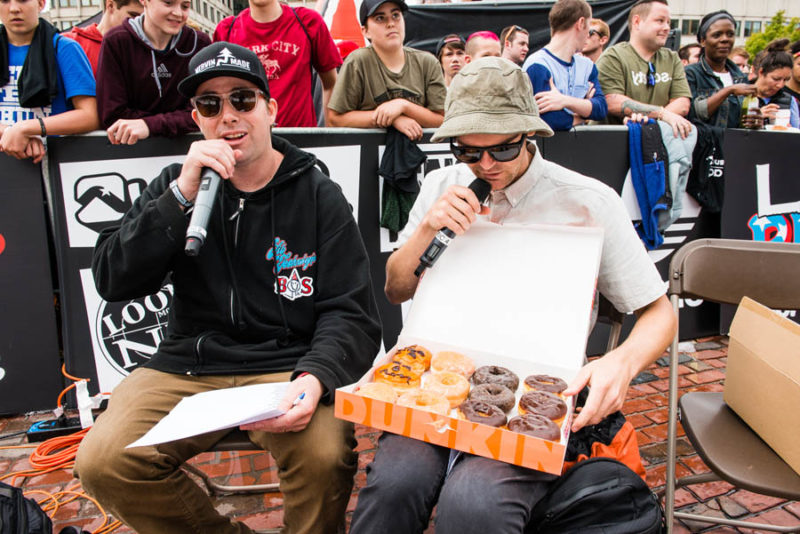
(481, 188)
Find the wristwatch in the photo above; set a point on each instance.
(173, 185)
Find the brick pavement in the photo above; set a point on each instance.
(701, 368)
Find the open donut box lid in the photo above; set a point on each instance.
(517, 296)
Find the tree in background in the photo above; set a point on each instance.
(779, 27)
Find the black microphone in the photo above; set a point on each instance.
(481, 188)
(203, 203)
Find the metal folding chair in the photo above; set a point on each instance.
(235, 441)
(724, 271)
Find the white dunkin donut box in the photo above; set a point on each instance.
(516, 296)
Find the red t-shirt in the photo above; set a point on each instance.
(285, 51)
(90, 40)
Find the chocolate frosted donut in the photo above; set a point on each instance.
(482, 412)
(550, 384)
(492, 374)
(542, 403)
(494, 394)
(536, 426)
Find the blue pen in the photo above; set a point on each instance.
(299, 398)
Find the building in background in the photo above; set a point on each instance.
(64, 14)
(751, 16)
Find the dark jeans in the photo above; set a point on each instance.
(408, 477)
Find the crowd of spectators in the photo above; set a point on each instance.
(139, 50)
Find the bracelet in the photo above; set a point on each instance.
(178, 195)
(41, 125)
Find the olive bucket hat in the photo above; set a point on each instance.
(491, 95)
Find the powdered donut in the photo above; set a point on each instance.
(550, 384)
(493, 374)
(494, 394)
(378, 390)
(452, 361)
(536, 426)
(452, 385)
(482, 412)
(542, 403)
(421, 399)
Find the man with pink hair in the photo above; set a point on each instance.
(482, 44)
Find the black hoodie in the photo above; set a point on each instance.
(225, 316)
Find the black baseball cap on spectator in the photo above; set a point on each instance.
(369, 7)
(223, 59)
(454, 39)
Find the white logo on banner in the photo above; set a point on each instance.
(98, 193)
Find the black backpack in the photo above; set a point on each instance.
(19, 515)
(598, 495)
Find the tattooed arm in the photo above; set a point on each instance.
(624, 106)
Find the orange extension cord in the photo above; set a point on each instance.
(55, 454)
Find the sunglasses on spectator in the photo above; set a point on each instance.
(473, 154)
(651, 76)
(513, 29)
(242, 100)
(594, 32)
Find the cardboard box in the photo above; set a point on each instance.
(762, 381)
(515, 296)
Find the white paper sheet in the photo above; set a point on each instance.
(216, 410)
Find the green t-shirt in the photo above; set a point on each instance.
(622, 71)
(364, 82)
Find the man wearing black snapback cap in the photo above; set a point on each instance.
(279, 292)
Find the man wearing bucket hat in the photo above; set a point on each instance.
(264, 301)
(489, 115)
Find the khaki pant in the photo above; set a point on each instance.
(146, 489)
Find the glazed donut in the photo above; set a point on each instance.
(542, 403)
(536, 426)
(452, 361)
(400, 377)
(414, 355)
(482, 412)
(550, 384)
(492, 374)
(494, 394)
(452, 385)
(421, 399)
(378, 390)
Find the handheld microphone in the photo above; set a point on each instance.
(203, 203)
(481, 188)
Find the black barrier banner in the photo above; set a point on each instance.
(427, 23)
(30, 376)
(762, 192)
(94, 183)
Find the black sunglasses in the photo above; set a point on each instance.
(593, 32)
(651, 76)
(242, 100)
(473, 154)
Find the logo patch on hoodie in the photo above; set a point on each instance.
(163, 72)
(295, 285)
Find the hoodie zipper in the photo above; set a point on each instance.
(237, 216)
(198, 358)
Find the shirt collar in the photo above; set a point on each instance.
(522, 186)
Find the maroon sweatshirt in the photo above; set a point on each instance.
(135, 81)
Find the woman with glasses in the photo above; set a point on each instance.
(717, 84)
(774, 71)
